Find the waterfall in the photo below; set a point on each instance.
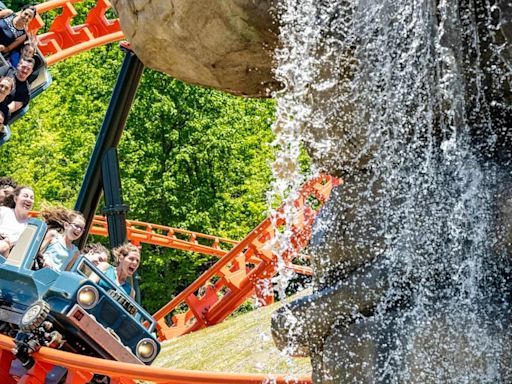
(409, 102)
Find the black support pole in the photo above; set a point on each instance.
(109, 136)
(114, 210)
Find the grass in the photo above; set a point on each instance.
(241, 344)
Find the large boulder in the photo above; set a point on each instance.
(226, 44)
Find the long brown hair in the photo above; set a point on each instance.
(56, 217)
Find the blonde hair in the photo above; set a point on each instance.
(123, 250)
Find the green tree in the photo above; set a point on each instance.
(198, 159)
(51, 144)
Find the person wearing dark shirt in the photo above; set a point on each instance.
(21, 95)
(6, 86)
(13, 27)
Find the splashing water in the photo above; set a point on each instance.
(408, 101)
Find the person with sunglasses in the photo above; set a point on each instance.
(65, 226)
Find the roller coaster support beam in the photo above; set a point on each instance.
(110, 134)
(115, 210)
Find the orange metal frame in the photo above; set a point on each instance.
(140, 232)
(243, 271)
(64, 39)
(236, 276)
(81, 369)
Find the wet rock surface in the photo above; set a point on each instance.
(410, 103)
(226, 44)
(412, 255)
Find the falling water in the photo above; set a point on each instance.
(407, 101)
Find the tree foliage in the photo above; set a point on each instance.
(197, 159)
(190, 157)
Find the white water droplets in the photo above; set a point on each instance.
(393, 95)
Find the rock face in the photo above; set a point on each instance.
(412, 254)
(226, 44)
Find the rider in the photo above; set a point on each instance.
(21, 95)
(128, 260)
(58, 248)
(14, 217)
(13, 27)
(6, 87)
(7, 186)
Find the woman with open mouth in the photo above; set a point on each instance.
(128, 260)
(14, 215)
(65, 227)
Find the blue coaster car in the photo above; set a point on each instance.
(87, 318)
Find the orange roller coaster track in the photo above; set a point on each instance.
(242, 271)
(64, 39)
(239, 273)
(139, 232)
(82, 368)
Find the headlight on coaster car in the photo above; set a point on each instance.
(87, 296)
(146, 350)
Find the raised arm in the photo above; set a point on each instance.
(5, 12)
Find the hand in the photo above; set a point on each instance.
(48, 263)
(2, 48)
(5, 246)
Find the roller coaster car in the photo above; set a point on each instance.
(39, 80)
(89, 319)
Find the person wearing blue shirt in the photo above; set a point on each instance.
(128, 261)
(65, 226)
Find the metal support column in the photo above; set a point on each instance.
(109, 136)
(115, 210)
